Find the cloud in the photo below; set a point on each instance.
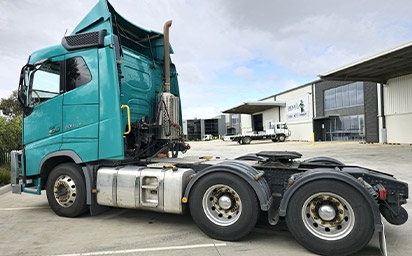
(319, 35)
(227, 51)
(201, 112)
(289, 84)
(245, 73)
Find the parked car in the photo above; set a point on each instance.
(207, 137)
(226, 136)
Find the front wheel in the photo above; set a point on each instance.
(282, 138)
(224, 206)
(66, 190)
(329, 217)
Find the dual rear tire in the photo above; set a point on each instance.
(330, 218)
(246, 140)
(224, 206)
(280, 138)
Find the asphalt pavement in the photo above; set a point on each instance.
(29, 227)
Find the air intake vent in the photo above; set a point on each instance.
(166, 118)
(84, 40)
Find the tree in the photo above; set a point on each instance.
(10, 126)
(11, 138)
(11, 106)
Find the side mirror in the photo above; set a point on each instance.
(22, 94)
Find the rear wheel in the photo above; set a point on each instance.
(66, 191)
(275, 139)
(224, 206)
(330, 218)
(246, 140)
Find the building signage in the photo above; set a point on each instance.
(297, 109)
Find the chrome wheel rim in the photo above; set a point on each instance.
(328, 216)
(65, 191)
(222, 205)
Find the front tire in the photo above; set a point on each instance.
(282, 138)
(66, 190)
(224, 206)
(329, 217)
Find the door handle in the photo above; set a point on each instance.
(54, 130)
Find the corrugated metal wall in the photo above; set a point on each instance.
(398, 95)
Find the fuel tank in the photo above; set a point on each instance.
(157, 189)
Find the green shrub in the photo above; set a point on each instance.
(5, 174)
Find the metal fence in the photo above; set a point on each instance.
(4, 157)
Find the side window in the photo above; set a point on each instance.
(45, 82)
(77, 73)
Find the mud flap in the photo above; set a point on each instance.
(273, 216)
(382, 241)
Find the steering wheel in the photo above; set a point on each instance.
(38, 96)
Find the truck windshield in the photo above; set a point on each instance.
(282, 126)
(45, 82)
(38, 83)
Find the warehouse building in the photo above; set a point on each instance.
(196, 129)
(295, 107)
(332, 110)
(369, 100)
(392, 70)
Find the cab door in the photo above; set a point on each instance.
(81, 104)
(42, 129)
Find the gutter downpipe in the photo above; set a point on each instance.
(383, 108)
(166, 54)
(384, 132)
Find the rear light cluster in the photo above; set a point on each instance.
(382, 191)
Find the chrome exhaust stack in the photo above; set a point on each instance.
(168, 116)
(166, 54)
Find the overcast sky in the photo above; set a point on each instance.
(227, 51)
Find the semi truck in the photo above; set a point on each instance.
(277, 133)
(102, 128)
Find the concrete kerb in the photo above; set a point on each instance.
(5, 189)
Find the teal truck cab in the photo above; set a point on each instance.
(102, 127)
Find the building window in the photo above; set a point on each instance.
(359, 93)
(346, 128)
(193, 129)
(235, 119)
(344, 96)
(212, 127)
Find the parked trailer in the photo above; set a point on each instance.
(88, 154)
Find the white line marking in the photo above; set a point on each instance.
(183, 247)
(24, 208)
